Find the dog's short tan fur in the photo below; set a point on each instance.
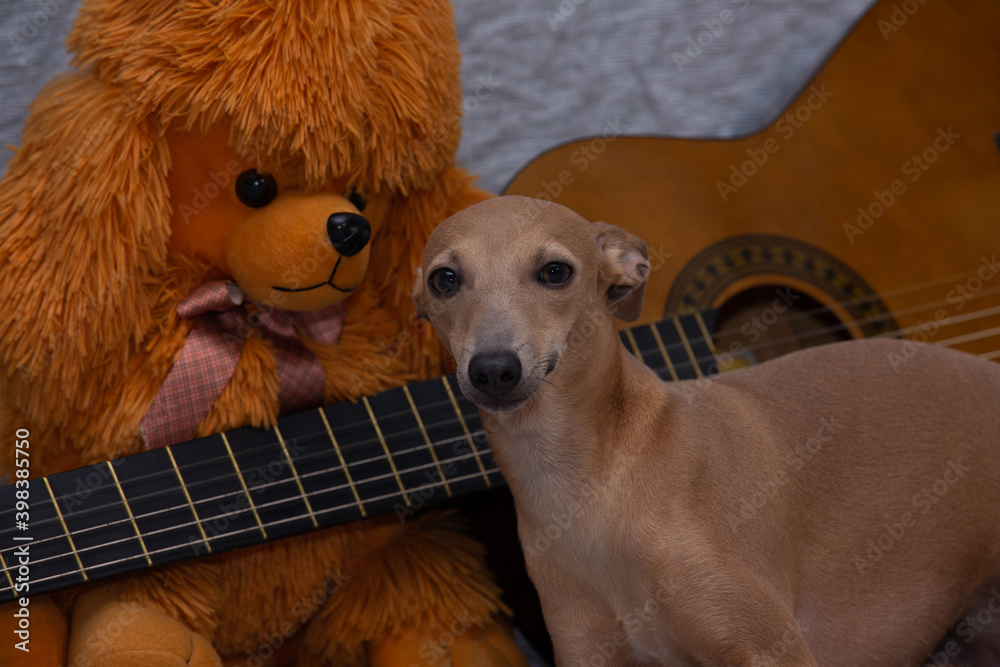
(825, 508)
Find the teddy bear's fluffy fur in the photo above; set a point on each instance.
(100, 238)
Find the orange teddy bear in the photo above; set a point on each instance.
(264, 169)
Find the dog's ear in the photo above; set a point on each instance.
(624, 269)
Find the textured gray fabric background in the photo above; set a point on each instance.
(538, 73)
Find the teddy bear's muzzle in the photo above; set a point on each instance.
(300, 252)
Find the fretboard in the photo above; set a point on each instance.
(397, 451)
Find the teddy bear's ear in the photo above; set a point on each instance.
(84, 217)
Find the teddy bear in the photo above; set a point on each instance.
(262, 173)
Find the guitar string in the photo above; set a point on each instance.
(836, 328)
(822, 309)
(261, 506)
(319, 436)
(367, 443)
(678, 346)
(298, 497)
(670, 347)
(293, 498)
(250, 529)
(772, 342)
(364, 443)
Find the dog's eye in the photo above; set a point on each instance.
(555, 273)
(444, 281)
(357, 200)
(255, 189)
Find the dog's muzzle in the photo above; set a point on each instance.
(495, 374)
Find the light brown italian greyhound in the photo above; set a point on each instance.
(831, 507)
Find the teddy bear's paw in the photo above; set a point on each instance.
(489, 646)
(43, 644)
(112, 633)
(469, 647)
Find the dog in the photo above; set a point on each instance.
(822, 508)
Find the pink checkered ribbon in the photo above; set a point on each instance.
(212, 349)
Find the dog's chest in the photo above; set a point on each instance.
(615, 612)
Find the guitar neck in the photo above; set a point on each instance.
(392, 452)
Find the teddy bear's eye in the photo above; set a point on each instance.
(255, 189)
(357, 200)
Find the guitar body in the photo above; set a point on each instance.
(875, 193)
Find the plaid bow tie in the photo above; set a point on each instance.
(212, 349)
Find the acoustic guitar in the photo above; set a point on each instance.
(869, 206)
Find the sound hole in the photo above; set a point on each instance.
(765, 322)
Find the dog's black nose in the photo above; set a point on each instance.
(495, 374)
(349, 232)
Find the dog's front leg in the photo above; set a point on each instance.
(750, 628)
(583, 636)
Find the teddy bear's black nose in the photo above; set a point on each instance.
(349, 232)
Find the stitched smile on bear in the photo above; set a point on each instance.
(349, 234)
(285, 247)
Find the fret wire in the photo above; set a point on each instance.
(128, 509)
(707, 339)
(139, 478)
(6, 571)
(663, 351)
(701, 325)
(687, 347)
(704, 332)
(423, 431)
(229, 494)
(385, 448)
(877, 318)
(243, 483)
(62, 522)
(298, 480)
(187, 496)
(343, 463)
(206, 482)
(273, 503)
(152, 475)
(238, 531)
(461, 419)
(635, 346)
